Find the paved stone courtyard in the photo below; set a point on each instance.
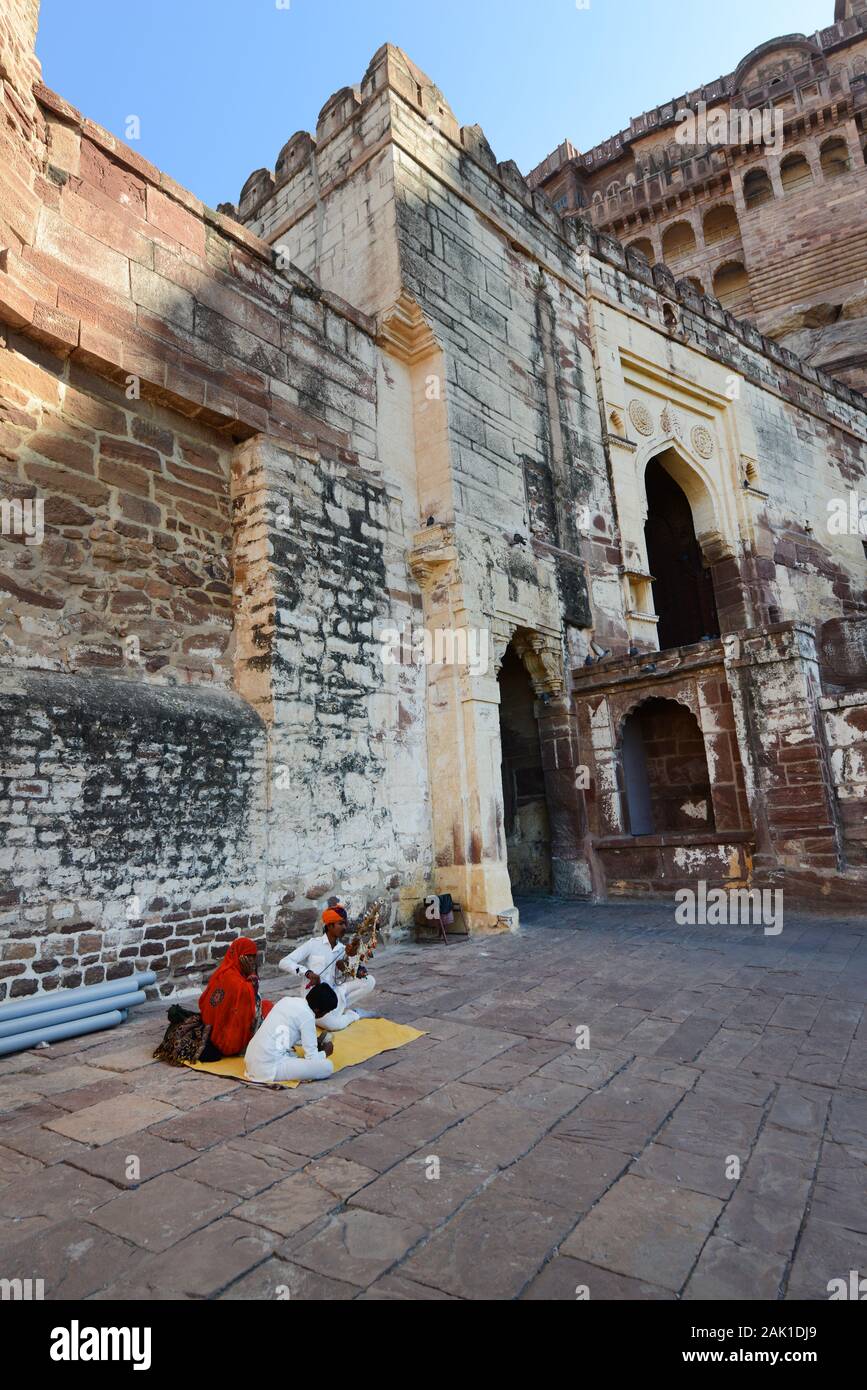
(558, 1167)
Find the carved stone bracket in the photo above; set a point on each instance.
(434, 556)
(501, 636)
(543, 659)
(618, 441)
(405, 333)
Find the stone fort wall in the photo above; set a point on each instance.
(778, 232)
(197, 726)
(475, 250)
(565, 359)
(394, 385)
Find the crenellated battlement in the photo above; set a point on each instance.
(389, 69)
(730, 86)
(774, 145)
(357, 123)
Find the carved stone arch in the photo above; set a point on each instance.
(541, 763)
(643, 697)
(788, 45)
(662, 764)
(700, 487)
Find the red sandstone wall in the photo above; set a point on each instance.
(142, 338)
(804, 251)
(146, 335)
(19, 70)
(134, 570)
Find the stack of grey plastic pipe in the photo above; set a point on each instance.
(69, 1013)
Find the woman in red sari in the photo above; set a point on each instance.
(230, 1004)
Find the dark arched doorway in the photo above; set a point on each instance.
(683, 593)
(526, 821)
(664, 770)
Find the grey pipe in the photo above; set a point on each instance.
(35, 1022)
(58, 1031)
(64, 998)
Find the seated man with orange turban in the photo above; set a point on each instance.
(324, 960)
(230, 1003)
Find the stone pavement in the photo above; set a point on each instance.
(607, 1167)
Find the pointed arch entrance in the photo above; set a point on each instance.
(545, 833)
(683, 588)
(526, 822)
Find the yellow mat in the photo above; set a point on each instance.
(366, 1038)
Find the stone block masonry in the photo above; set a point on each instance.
(196, 722)
(347, 800)
(775, 226)
(133, 574)
(562, 366)
(845, 722)
(130, 814)
(423, 399)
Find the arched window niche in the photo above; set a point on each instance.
(664, 770)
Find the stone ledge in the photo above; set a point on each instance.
(675, 838)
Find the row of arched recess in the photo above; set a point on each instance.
(679, 239)
(834, 160)
(796, 172)
(729, 280)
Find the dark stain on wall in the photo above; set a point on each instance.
(130, 778)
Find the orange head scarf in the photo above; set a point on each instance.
(228, 1003)
(332, 915)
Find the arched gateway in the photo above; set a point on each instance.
(544, 822)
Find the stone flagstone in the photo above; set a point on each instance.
(645, 1230)
(112, 1119)
(602, 1168)
(163, 1211)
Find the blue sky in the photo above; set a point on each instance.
(220, 85)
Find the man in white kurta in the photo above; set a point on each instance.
(271, 1054)
(321, 959)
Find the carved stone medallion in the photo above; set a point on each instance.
(702, 442)
(641, 417)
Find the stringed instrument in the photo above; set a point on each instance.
(364, 941)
